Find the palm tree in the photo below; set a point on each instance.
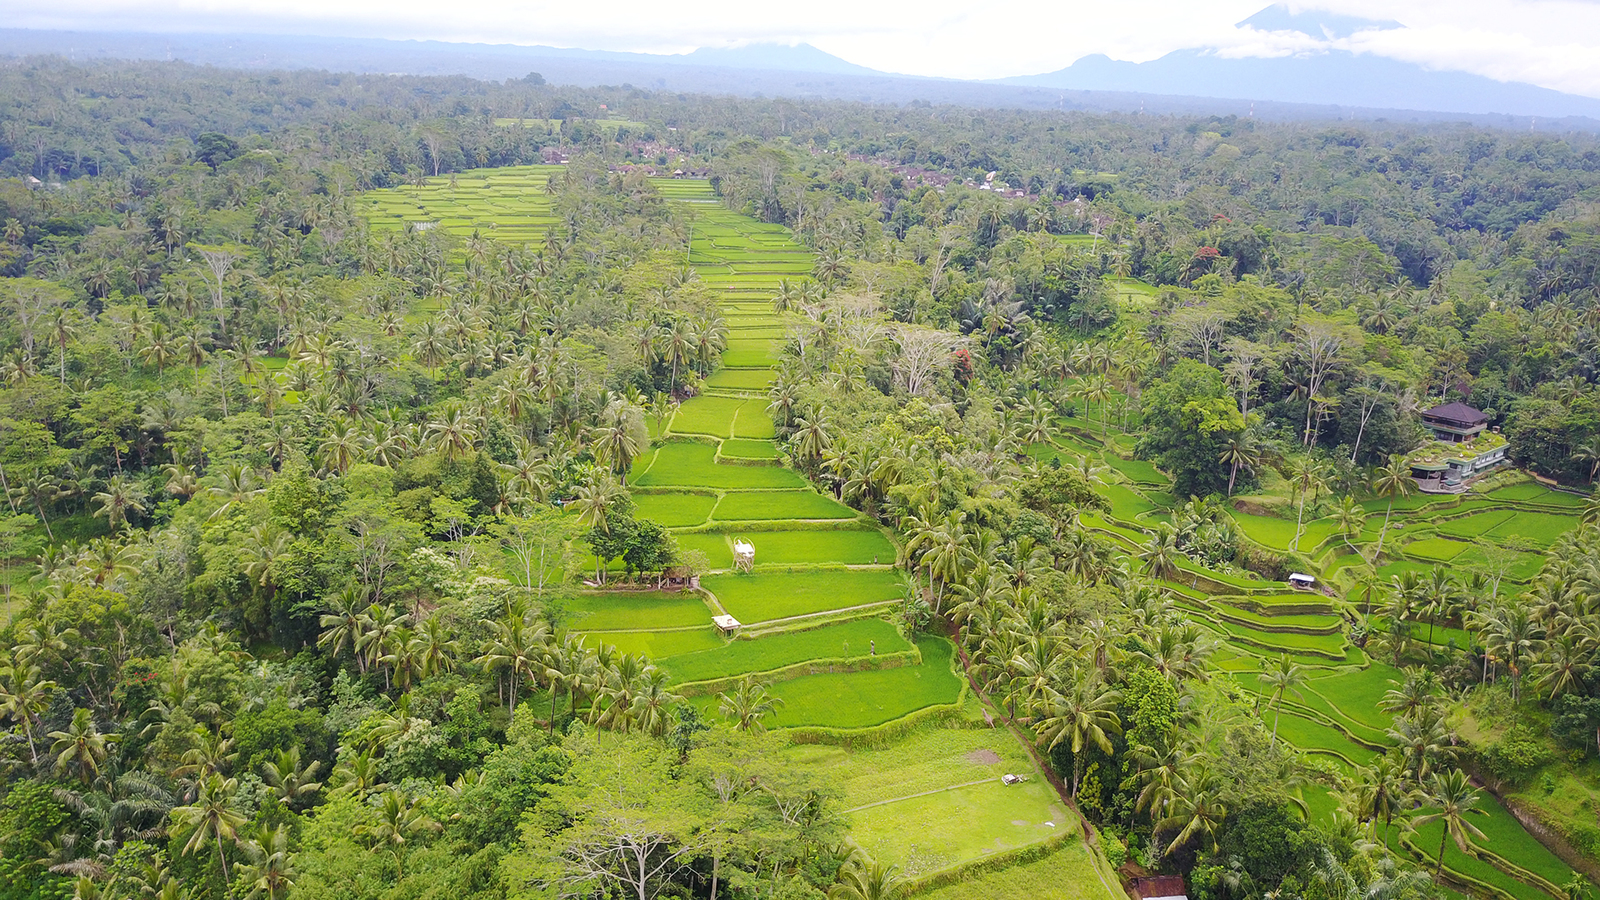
(211, 818)
(1348, 520)
(1381, 791)
(122, 495)
(24, 697)
(812, 438)
(1589, 452)
(344, 625)
(81, 747)
(399, 819)
(748, 704)
(1160, 554)
(617, 442)
(293, 782)
(270, 873)
(1080, 717)
(1199, 810)
(866, 879)
(1243, 451)
(1285, 677)
(517, 647)
(1451, 795)
(1390, 481)
(1305, 474)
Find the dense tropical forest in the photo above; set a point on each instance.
(423, 487)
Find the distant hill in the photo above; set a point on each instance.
(1321, 87)
(1336, 77)
(1328, 72)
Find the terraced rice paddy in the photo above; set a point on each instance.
(1336, 715)
(720, 447)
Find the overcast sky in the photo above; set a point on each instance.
(1554, 43)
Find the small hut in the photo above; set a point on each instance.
(726, 624)
(744, 555)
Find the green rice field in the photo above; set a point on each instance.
(642, 609)
(775, 651)
(764, 596)
(779, 505)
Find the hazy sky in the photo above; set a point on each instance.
(1554, 43)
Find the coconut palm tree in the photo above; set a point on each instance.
(1381, 791)
(1452, 798)
(1305, 475)
(1082, 716)
(1390, 481)
(1197, 812)
(748, 705)
(24, 697)
(121, 496)
(616, 442)
(1348, 520)
(269, 874)
(866, 879)
(211, 818)
(1284, 677)
(1160, 555)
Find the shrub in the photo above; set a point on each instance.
(1515, 757)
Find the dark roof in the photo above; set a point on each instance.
(1159, 886)
(1457, 412)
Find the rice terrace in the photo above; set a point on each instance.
(823, 579)
(833, 693)
(425, 486)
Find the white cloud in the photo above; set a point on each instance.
(1554, 43)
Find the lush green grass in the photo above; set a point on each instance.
(1126, 504)
(694, 465)
(927, 759)
(1282, 642)
(1137, 470)
(645, 610)
(741, 379)
(787, 648)
(776, 595)
(706, 415)
(1523, 567)
(1502, 835)
(1270, 531)
(1538, 494)
(857, 548)
(933, 832)
(674, 510)
(1357, 694)
(1436, 549)
(753, 422)
(745, 507)
(864, 699)
(1069, 873)
(1309, 735)
(658, 644)
(1475, 524)
(1539, 529)
(738, 448)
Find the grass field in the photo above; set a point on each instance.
(1473, 525)
(864, 699)
(1069, 873)
(961, 824)
(787, 648)
(658, 645)
(778, 505)
(674, 510)
(644, 610)
(1537, 528)
(738, 448)
(1436, 549)
(695, 465)
(764, 596)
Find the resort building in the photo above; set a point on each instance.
(1463, 447)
